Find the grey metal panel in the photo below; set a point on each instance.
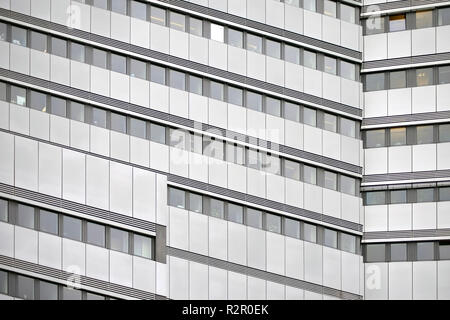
(406, 118)
(405, 61)
(40, 270)
(402, 4)
(269, 276)
(417, 175)
(406, 234)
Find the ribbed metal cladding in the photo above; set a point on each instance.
(418, 175)
(401, 4)
(40, 270)
(269, 276)
(406, 234)
(406, 61)
(440, 115)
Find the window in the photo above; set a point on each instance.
(196, 27)
(329, 8)
(70, 294)
(425, 251)
(254, 43)
(19, 36)
(309, 174)
(291, 169)
(92, 296)
(253, 159)
(157, 74)
(444, 133)
(95, 234)
(235, 154)
(216, 90)
(177, 80)
(292, 111)
(138, 69)
(59, 106)
(118, 122)
(72, 228)
(38, 41)
(292, 228)
(118, 240)
(195, 85)
(375, 198)
(273, 106)
(374, 81)
(118, 63)
(142, 246)
(76, 111)
(291, 54)
(48, 222)
(119, 6)
(25, 216)
(158, 16)
(444, 251)
(424, 19)
(444, 75)
(77, 52)
(375, 138)
(18, 96)
(2, 91)
(330, 122)
(309, 232)
(38, 101)
(217, 32)
(99, 58)
(272, 164)
(254, 101)
(177, 138)
(375, 252)
(273, 223)
(309, 117)
(235, 213)
(374, 25)
(330, 65)
(348, 185)
(59, 47)
(273, 49)
(25, 288)
(195, 202)
(397, 79)
(99, 117)
(48, 291)
(3, 210)
(295, 3)
(103, 4)
(235, 38)
(348, 70)
(348, 242)
(177, 198)
(398, 252)
(348, 127)
(444, 194)
(309, 5)
(157, 133)
(216, 208)
(235, 96)
(309, 59)
(425, 134)
(177, 21)
(398, 136)
(213, 148)
(254, 218)
(443, 16)
(397, 22)
(425, 195)
(3, 30)
(138, 10)
(3, 282)
(347, 13)
(424, 77)
(330, 180)
(398, 196)
(330, 238)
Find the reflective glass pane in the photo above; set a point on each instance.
(118, 63)
(424, 77)
(99, 117)
(398, 252)
(309, 175)
(254, 43)
(177, 198)
(157, 74)
(424, 19)
(348, 70)
(330, 238)
(292, 228)
(217, 32)
(158, 16)
(375, 198)
(348, 127)
(195, 85)
(254, 218)
(19, 36)
(425, 251)
(375, 138)
(273, 49)
(38, 41)
(118, 122)
(59, 47)
(99, 58)
(25, 216)
(96, 234)
(397, 79)
(235, 96)
(330, 180)
(235, 213)
(309, 116)
(72, 228)
(138, 10)
(309, 59)
(118, 240)
(77, 111)
(347, 13)
(25, 288)
(330, 65)
(196, 26)
(425, 134)
(309, 232)
(38, 101)
(425, 195)
(3, 210)
(398, 136)
(142, 246)
(177, 80)
(348, 242)
(59, 106)
(138, 69)
(254, 101)
(216, 208)
(398, 196)
(348, 185)
(291, 169)
(216, 90)
(329, 8)
(119, 6)
(195, 202)
(48, 221)
(374, 81)
(177, 21)
(235, 38)
(291, 54)
(397, 22)
(48, 291)
(292, 111)
(157, 133)
(273, 223)
(330, 122)
(273, 106)
(375, 253)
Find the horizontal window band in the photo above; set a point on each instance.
(407, 176)
(443, 116)
(162, 57)
(260, 274)
(410, 234)
(407, 186)
(180, 121)
(405, 62)
(212, 188)
(88, 282)
(403, 4)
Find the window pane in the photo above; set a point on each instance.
(292, 228)
(119, 240)
(254, 218)
(375, 198)
(235, 154)
(195, 85)
(235, 96)
(425, 251)
(177, 21)
(292, 111)
(424, 77)
(48, 291)
(397, 79)
(374, 25)
(375, 253)
(330, 238)
(330, 180)
(25, 216)
(425, 195)
(177, 198)
(254, 101)
(295, 3)
(96, 234)
(375, 138)
(444, 133)
(347, 13)
(142, 246)
(348, 127)
(119, 6)
(38, 101)
(158, 16)
(425, 134)
(157, 133)
(217, 32)
(216, 208)
(273, 223)
(444, 194)
(253, 159)
(157, 74)
(2, 91)
(309, 117)
(103, 4)
(398, 252)
(38, 41)
(273, 106)
(330, 122)
(177, 138)
(309, 5)
(92, 296)
(138, 10)
(138, 128)
(195, 202)
(72, 228)
(235, 213)
(70, 294)
(291, 169)
(398, 136)
(216, 90)
(444, 16)
(25, 288)
(444, 251)
(59, 106)
(177, 80)
(397, 22)
(424, 19)
(292, 54)
(374, 81)
(77, 52)
(77, 111)
(235, 38)
(273, 49)
(118, 122)
(254, 43)
(19, 36)
(348, 185)
(213, 148)
(3, 210)
(3, 30)
(272, 164)
(348, 242)
(348, 70)
(59, 47)
(309, 174)
(309, 59)
(309, 232)
(18, 96)
(3, 282)
(138, 69)
(48, 221)
(99, 117)
(196, 26)
(99, 58)
(398, 196)
(444, 75)
(329, 8)
(118, 63)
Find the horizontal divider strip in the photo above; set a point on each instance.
(417, 175)
(427, 116)
(405, 61)
(406, 234)
(399, 4)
